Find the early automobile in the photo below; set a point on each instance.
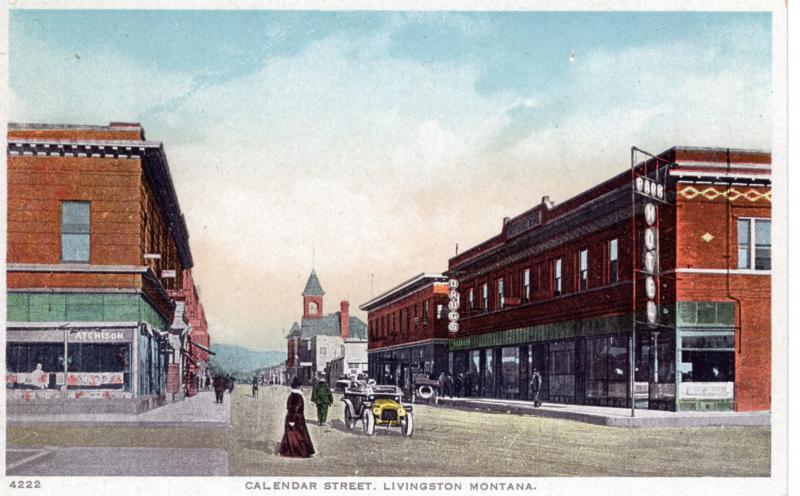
(377, 406)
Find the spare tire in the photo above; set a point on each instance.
(425, 392)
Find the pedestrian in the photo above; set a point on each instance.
(448, 384)
(208, 382)
(459, 384)
(536, 386)
(219, 388)
(231, 384)
(442, 384)
(296, 442)
(322, 397)
(255, 387)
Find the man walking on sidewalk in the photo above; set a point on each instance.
(219, 388)
(322, 397)
(536, 386)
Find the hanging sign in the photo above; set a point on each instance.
(453, 305)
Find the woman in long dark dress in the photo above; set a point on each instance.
(296, 442)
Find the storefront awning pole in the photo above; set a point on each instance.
(633, 255)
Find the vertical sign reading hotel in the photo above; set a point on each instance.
(452, 315)
(655, 191)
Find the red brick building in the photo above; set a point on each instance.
(96, 243)
(554, 290)
(407, 327)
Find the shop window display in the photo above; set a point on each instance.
(34, 366)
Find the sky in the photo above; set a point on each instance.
(369, 144)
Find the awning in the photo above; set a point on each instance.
(202, 347)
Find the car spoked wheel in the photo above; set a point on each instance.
(407, 425)
(349, 420)
(369, 423)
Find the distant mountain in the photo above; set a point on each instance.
(243, 361)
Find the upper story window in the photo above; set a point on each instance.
(312, 308)
(75, 231)
(613, 261)
(408, 321)
(583, 269)
(556, 277)
(425, 311)
(471, 298)
(754, 244)
(526, 284)
(501, 297)
(323, 351)
(439, 311)
(485, 290)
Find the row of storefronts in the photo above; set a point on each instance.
(651, 288)
(102, 311)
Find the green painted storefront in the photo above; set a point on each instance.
(82, 307)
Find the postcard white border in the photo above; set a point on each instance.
(782, 288)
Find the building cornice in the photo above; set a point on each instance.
(409, 345)
(403, 289)
(84, 268)
(121, 149)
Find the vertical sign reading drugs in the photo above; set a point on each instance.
(453, 305)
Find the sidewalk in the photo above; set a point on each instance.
(52, 461)
(609, 416)
(199, 411)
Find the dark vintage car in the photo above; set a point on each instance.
(377, 406)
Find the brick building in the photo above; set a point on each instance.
(563, 288)
(96, 243)
(194, 348)
(320, 338)
(407, 328)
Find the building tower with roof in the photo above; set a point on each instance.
(320, 338)
(312, 297)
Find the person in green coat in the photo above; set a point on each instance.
(322, 397)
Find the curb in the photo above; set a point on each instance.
(685, 420)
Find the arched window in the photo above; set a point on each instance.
(312, 308)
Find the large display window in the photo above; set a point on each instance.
(510, 370)
(561, 374)
(34, 365)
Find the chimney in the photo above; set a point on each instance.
(344, 319)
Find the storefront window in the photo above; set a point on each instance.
(618, 367)
(562, 370)
(510, 372)
(35, 366)
(472, 381)
(596, 367)
(101, 365)
(489, 374)
(707, 366)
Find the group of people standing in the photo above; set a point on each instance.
(222, 384)
(461, 385)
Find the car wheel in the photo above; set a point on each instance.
(426, 392)
(369, 424)
(407, 425)
(349, 420)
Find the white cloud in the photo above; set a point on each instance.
(91, 87)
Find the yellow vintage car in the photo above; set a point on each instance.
(377, 406)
